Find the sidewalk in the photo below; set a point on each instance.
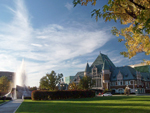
(11, 106)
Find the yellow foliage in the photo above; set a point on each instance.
(72, 86)
(135, 14)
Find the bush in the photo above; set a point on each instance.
(5, 98)
(2, 93)
(27, 97)
(55, 95)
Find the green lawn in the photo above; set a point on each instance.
(1, 101)
(115, 104)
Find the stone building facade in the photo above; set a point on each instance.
(108, 76)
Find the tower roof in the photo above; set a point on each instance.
(87, 69)
(103, 59)
(105, 66)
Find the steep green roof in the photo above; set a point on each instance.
(79, 74)
(105, 66)
(101, 59)
(127, 72)
(87, 69)
(143, 69)
(145, 76)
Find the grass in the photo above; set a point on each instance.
(1, 101)
(114, 104)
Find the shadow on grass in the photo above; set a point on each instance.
(127, 98)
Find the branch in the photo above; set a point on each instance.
(141, 7)
(131, 14)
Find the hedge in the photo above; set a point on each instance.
(56, 95)
(27, 97)
(5, 98)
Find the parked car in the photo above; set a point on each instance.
(107, 94)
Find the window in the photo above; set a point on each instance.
(94, 71)
(138, 82)
(118, 82)
(121, 83)
(129, 82)
(113, 84)
(126, 82)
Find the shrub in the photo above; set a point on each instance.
(27, 97)
(5, 98)
(53, 95)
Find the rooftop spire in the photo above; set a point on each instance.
(87, 67)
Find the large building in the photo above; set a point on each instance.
(108, 76)
(68, 79)
(9, 75)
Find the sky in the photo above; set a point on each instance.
(54, 35)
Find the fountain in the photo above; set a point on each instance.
(19, 89)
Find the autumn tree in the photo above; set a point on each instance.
(135, 14)
(86, 83)
(72, 86)
(50, 81)
(4, 84)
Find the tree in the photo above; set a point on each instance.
(133, 13)
(72, 86)
(86, 83)
(50, 81)
(4, 83)
(32, 88)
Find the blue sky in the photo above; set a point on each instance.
(52, 35)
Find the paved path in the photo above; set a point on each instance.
(11, 106)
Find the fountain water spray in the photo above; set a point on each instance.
(20, 83)
(20, 77)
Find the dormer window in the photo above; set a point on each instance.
(138, 76)
(126, 82)
(94, 71)
(119, 76)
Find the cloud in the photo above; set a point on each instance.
(69, 6)
(37, 45)
(46, 49)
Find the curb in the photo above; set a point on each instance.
(5, 102)
(17, 107)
